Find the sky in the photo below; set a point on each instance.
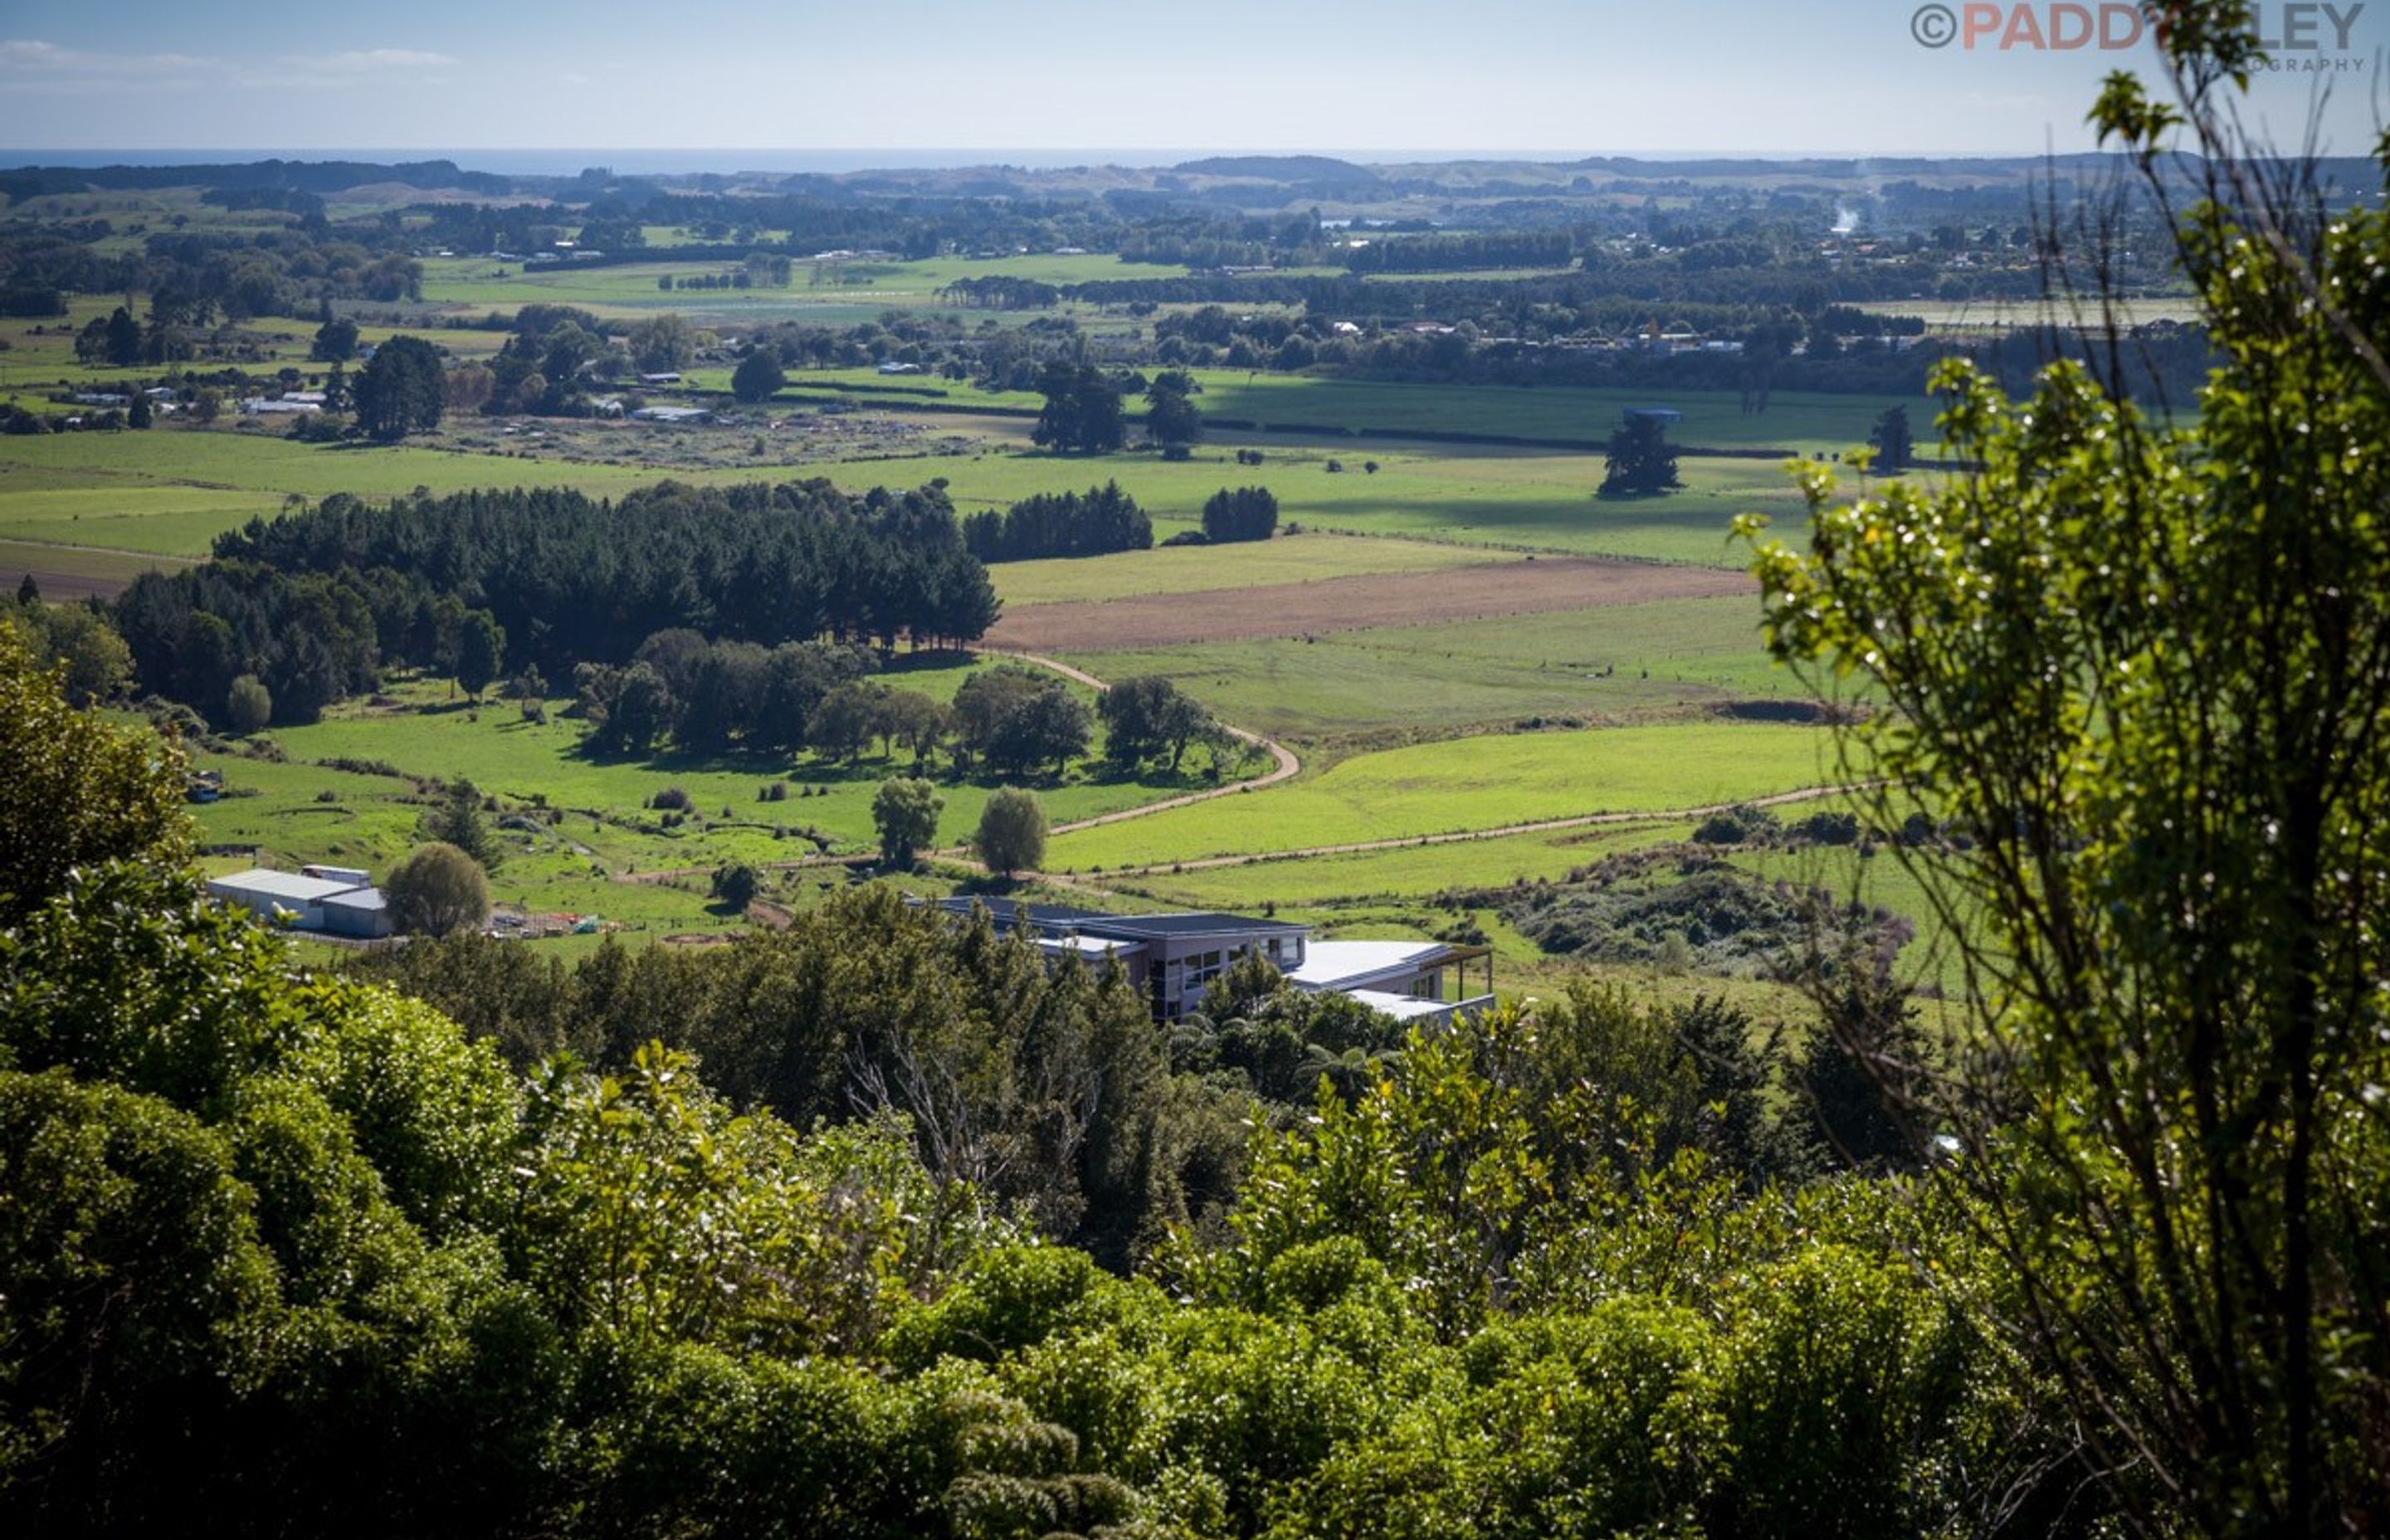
(1039, 79)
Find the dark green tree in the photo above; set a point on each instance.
(122, 339)
(1895, 446)
(402, 389)
(758, 376)
(1082, 414)
(1147, 717)
(457, 819)
(481, 652)
(1047, 727)
(1171, 419)
(736, 885)
(336, 341)
(1642, 462)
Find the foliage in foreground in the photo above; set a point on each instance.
(281, 1253)
(2145, 673)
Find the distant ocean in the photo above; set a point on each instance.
(650, 162)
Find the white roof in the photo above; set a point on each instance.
(366, 899)
(1090, 946)
(1402, 1007)
(259, 883)
(1341, 964)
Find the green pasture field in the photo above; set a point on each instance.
(1191, 569)
(172, 490)
(1537, 500)
(471, 281)
(1468, 783)
(20, 556)
(1318, 886)
(1803, 421)
(1797, 422)
(426, 735)
(1629, 661)
(2001, 314)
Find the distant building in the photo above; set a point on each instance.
(345, 905)
(1171, 958)
(361, 913)
(672, 414)
(661, 377)
(891, 366)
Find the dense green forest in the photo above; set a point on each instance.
(316, 603)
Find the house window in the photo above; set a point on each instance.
(1201, 968)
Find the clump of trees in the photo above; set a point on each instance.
(1016, 720)
(402, 389)
(713, 698)
(1149, 719)
(1246, 513)
(1099, 520)
(1082, 414)
(76, 638)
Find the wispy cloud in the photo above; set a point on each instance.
(360, 61)
(31, 63)
(347, 69)
(32, 66)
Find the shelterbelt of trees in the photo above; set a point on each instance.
(314, 603)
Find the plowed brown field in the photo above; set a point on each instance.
(1516, 588)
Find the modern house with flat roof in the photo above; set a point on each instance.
(1172, 958)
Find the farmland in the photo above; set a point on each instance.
(1468, 784)
(1451, 630)
(319, 803)
(1421, 601)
